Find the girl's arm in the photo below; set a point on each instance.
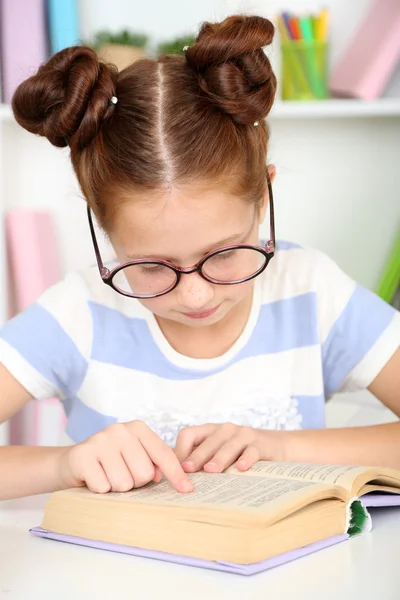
(118, 458)
(24, 470)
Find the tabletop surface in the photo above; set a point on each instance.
(31, 567)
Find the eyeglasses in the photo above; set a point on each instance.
(148, 278)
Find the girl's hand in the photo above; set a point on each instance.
(120, 457)
(215, 447)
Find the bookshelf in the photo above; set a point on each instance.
(319, 109)
(5, 113)
(336, 108)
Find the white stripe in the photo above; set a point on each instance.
(125, 393)
(25, 374)
(65, 440)
(376, 358)
(67, 303)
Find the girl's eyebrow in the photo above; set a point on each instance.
(236, 238)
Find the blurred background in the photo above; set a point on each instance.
(335, 133)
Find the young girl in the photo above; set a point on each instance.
(201, 346)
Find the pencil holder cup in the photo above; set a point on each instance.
(304, 70)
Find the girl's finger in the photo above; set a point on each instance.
(205, 451)
(138, 461)
(157, 474)
(190, 437)
(118, 474)
(226, 455)
(164, 458)
(94, 476)
(250, 456)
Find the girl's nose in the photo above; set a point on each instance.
(194, 292)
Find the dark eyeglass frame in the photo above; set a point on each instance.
(268, 252)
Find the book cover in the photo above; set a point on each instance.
(369, 500)
(244, 522)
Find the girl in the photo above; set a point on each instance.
(201, 346)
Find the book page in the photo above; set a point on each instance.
(226, 491)
(327, 474)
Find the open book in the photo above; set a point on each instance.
(234, 521)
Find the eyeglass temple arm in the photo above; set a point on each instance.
(95, 244)
(271, 212)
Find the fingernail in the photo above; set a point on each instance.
(211, 465)
(188, 466)
(186, 485)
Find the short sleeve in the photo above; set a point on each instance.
(47, 346)
(359, 332)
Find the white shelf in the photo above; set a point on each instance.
(318, 109)
(5, 113)
(384, 107)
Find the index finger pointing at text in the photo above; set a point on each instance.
(165, 458)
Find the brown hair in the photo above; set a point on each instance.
(178, 119)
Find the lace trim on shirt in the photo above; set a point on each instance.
(270, 413)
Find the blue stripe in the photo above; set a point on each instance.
(354, 333)
(284, 325)
(44, 344)
(312, 410)
(283, 245)
(84, 421)
(127, 342)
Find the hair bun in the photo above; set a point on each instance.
(232, 66)
(68, 99)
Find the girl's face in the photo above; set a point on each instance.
(182, 226)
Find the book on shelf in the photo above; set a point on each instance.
(63, 24)
(34, 266)
(23, 42)
(242, 522)
(365, 68)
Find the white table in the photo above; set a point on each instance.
(367, 567)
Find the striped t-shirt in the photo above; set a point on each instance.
(312, 331)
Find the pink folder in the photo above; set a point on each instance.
(369, 500)
(23, 41)
(33, 253)
(371, 58)
(34, 267)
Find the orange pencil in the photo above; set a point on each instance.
(295, 28)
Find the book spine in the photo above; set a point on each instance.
(23, 41)
(34, 266)
(63, 24)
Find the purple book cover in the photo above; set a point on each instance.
(370, 500)
(23, 41)
(250, 569)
